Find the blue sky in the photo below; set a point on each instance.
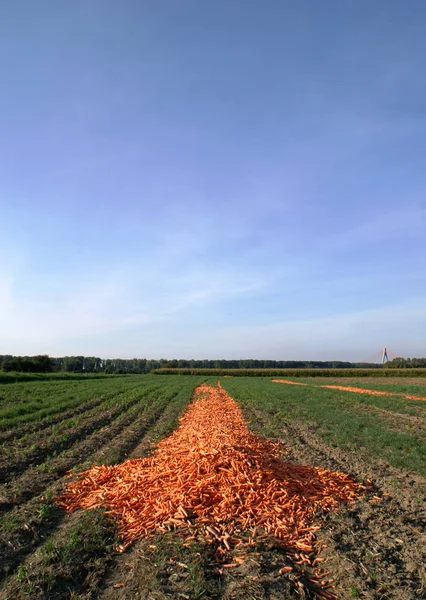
(213, 179)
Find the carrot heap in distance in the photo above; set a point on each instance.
(372, 392)
(288, 382)
(353, 389)
(214, 480)
(357, 390)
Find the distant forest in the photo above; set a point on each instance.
(92, 364)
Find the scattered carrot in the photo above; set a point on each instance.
(371, 392)
(288, 382)
(216, 481)
(415, 398)
(285, 570)
(357, 390)
(353, 389)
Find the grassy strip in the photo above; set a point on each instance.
(62, 425)
(335, 420)
(70, 433)
(18, 377)
(52, 391)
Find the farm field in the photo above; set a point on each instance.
(402, 385)
(373, 548)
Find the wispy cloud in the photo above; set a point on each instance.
(351, 336)
(245, 186)
(119, 300)
(6, 294)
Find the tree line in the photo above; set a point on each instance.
(407, 363)
(92, 364)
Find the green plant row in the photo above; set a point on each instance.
(25, 403)
(296, 372)
(73, 559)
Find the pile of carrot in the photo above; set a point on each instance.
(415, 398)
(288, 382)
(214, 480)
(357, 390)
(371, 392)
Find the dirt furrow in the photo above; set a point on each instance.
(163, 568)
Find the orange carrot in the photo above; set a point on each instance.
(288, 382)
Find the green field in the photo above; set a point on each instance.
(410, 385)
(364, 424)
(357, 373)
(50, 426)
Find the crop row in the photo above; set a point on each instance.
(295, 372)
(25, 403)
(35, 450)
(33, 527)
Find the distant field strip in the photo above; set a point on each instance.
(288, 382)
(353, 389)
